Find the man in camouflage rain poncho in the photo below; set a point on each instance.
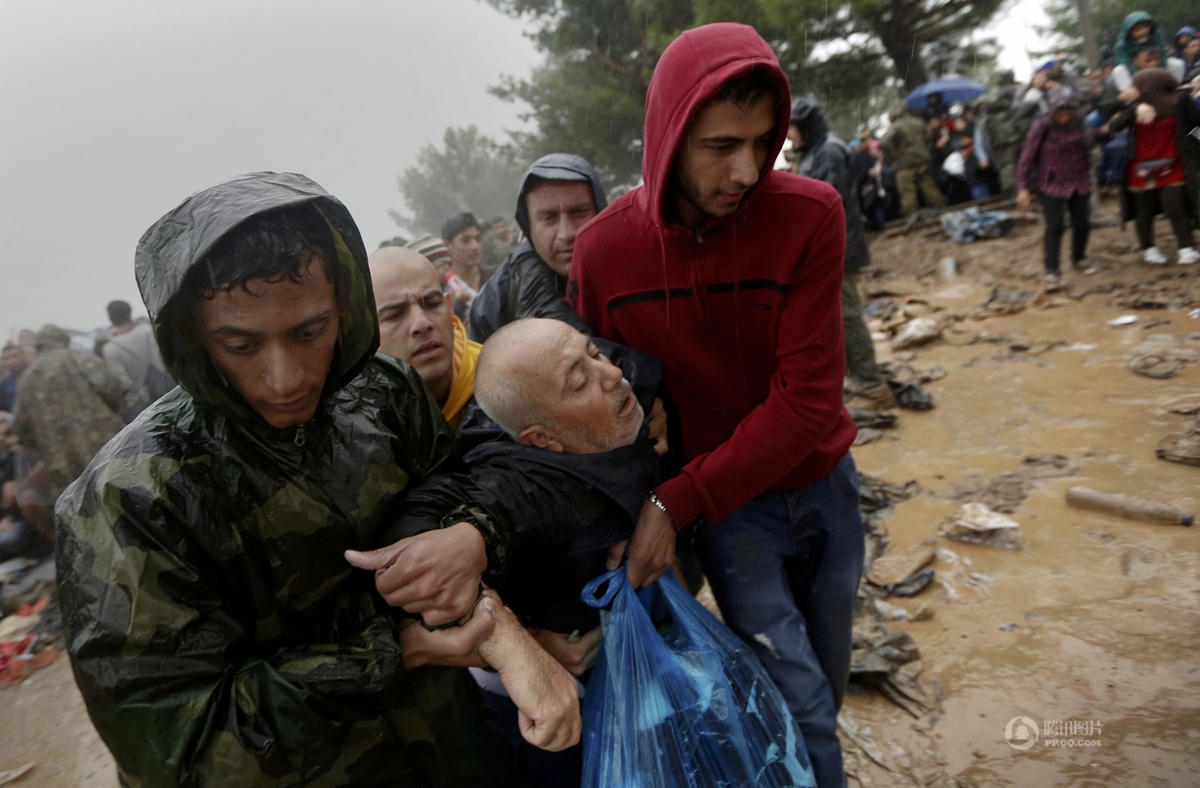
(215, 629)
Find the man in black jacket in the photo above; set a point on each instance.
(559, 193)
(827, 158)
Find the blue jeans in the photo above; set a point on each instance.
(784, 569)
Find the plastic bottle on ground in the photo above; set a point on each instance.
(1128, 506)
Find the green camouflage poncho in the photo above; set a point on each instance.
(216, 632)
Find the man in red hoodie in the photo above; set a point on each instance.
(730, 273)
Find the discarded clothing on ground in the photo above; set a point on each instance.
(918, 331)
(972, 224)
(886, 660)
(904, 572)
(1006, 491)
(974, 523)
(1182, 447)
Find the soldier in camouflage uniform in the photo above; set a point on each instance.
(216, 631)
(66, 407)
(906, 146)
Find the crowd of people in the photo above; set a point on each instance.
(325, 514)
(1127, 123)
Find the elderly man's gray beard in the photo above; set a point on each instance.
(587, 441)
(581, 442)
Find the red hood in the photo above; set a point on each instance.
(693, 68)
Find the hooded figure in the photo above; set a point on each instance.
(730, 273)
(826, 157)
(1182, 36)
(525, 285)
(66, 407)
(215, 630)
(1127, 46)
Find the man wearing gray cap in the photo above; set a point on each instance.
(559, 193)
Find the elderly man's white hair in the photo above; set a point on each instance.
(508, 397)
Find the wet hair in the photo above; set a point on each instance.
(275, 246)
(119, 312)
(750, 88)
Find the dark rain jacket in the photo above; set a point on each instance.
(216, 631)
(524, 285)
(827, 158)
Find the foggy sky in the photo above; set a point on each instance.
(114, 112)
(111, 113)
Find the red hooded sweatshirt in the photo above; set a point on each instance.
(744, 312)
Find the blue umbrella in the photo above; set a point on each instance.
(952, 89)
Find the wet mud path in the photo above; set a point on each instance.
(1098, 619)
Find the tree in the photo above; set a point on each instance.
(470, 173)
(589, 94)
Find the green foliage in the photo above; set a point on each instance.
(854, 56)
(588, 97)
(469, 173)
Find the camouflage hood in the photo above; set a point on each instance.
(179, 241)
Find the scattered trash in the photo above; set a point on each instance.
(910, 586)
(947, 268)
(1123, 320)
(1006, 491)
(1194, 314)
(1128, 506)
(924, 613)
(888, 661)
(976, 524)
(891, 612)
(28, 586)
(1167, 347)
(954, 572)
(1004, 296)
(17, 626)
(1181, 447)
(18, 659)
(910, 395)
(917, 331)
(1153, 365)
(1079, 346)
(972, 224)
(897, 566)
(1008, 627)
(874, 398)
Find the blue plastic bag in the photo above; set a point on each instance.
(692, 707)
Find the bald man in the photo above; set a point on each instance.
(417, 325)
(548, 385)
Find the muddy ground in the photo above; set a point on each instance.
(1096, 622)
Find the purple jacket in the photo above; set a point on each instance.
(1061, 155)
